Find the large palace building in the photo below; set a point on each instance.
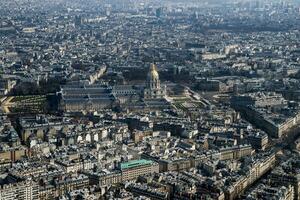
(81, 97)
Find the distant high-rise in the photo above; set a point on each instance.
(108, 8)
(78, 21)
(159, 12)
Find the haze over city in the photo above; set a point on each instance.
(149, 99)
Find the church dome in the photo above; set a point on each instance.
(153, 72)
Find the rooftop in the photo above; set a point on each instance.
(135, 163)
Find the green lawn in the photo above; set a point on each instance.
(25, 104)
(28, 99)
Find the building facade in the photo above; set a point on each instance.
(135, 168)
(81, 97)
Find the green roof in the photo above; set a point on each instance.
(135, 163)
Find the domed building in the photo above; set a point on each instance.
(153, 89)
(78, 98)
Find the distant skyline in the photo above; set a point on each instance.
(149, 99)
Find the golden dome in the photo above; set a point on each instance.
(153, 72)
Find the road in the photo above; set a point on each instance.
(6, 104)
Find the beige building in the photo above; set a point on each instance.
(135, 168)
(236, 152)
(257, 170)
(19, 190)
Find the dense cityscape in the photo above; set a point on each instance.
(150, 99)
